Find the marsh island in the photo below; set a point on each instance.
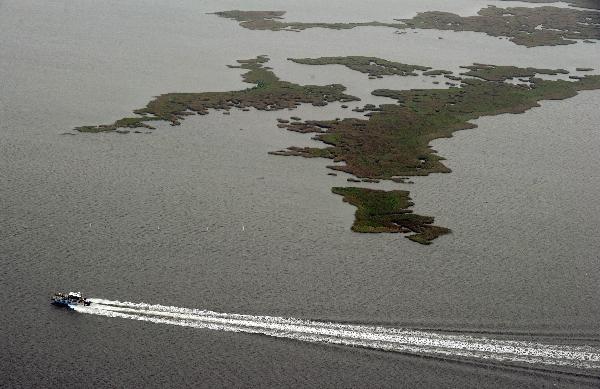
(392, 141)
(540, 26)
(268, 93)
(387, 211)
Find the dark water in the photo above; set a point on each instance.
(126, 216)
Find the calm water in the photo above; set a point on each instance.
(126, 216)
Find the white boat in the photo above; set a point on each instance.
(68, 300)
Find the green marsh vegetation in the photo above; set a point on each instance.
(272, 20)
(387, 211)
(503, 73)
(372, 66)
(394, 140)
(268, 93)
(592, 4)
(538, 26)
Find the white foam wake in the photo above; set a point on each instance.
(380, 338)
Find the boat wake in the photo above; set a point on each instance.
(372, 337)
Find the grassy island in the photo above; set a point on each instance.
(539, 26)
(268, 93)
(394, 140)
(271, 20)
(381, 211)
(372, 66)
(503, 73)
(591, 4)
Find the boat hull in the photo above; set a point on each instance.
(63, 304)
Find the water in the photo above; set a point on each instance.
(126, 216)
(378, 338)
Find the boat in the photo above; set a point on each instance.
(69, 300)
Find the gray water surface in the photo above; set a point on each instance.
(201, 216)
